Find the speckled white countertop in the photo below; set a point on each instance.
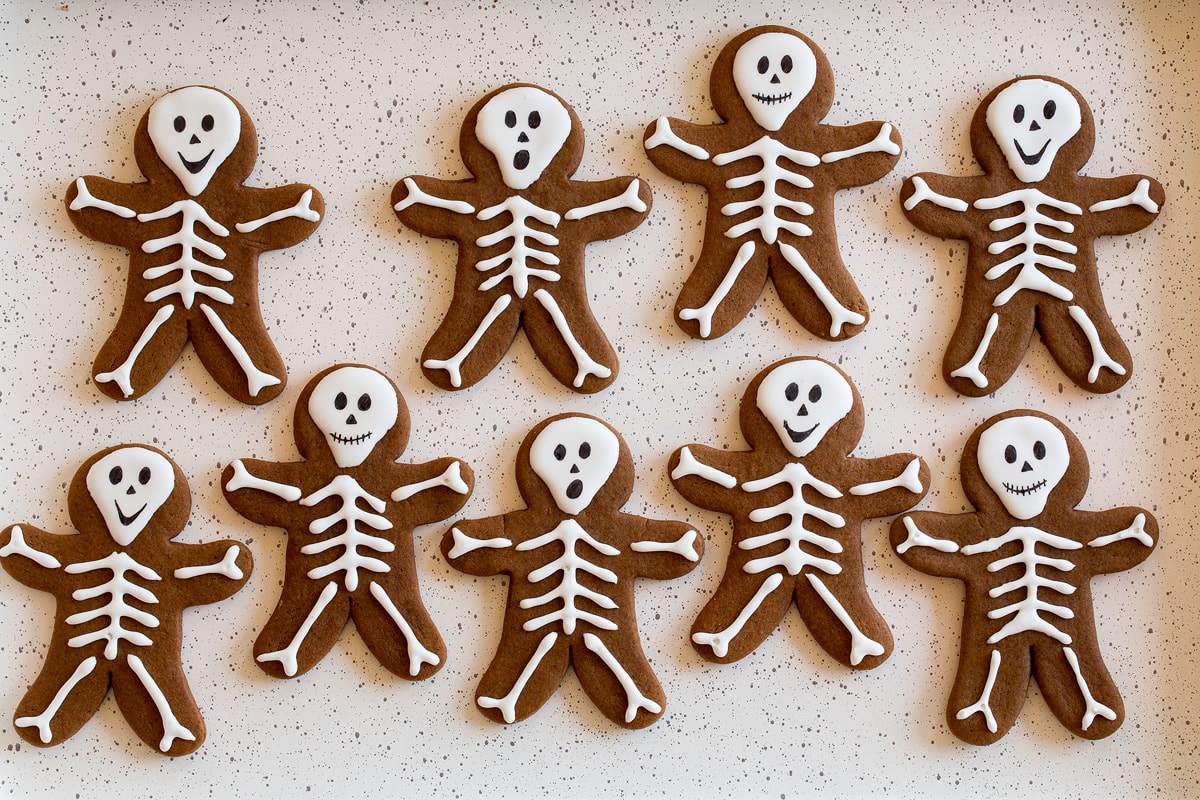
(351, 97)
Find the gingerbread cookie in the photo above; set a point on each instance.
(121, 586)
(1031, 223)
(771, 170)
(1027, 556)
(521, 225)
(572, 556)
(194, 233)
(798, 500)
(349, 511)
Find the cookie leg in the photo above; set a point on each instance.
(396, 627)
(471, 340)
(855, 635)
(527, 669)
(843, 309)
(1086, 345)
(989, 690)
(141, 350)
(623, 688)
(724, 286)
(987, 346)
(158, 704)
(1078, 688)
(303, 628)
(741, 615)
(234, 346)
(65, 695)
(569, 341)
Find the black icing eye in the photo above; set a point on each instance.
(339, 402)
(114, 475)
(1010, 454)
(764, 64)
(180, 124)
(791, 392)
(144, 476)
(510, 119)
(585, 450)
(560, 453)
(786, 64)
(814, 394)
(1039, 450)
(1049, 109)
(535, 119)
(364, 402)
(1018, 114)
(207, 123)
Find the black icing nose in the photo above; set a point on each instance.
(574, 469)
(522, 138)
(350, 420)
(774, 79)
(1026, 468)
(130, 490)
(803, 412)
(1033, 126)
(195, 139)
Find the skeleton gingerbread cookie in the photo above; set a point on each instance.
(121, 585)
(798, 500)
(349, 511)
(572, 556)
(1027, 556)
(521, 225)
(194, 233)
(1031, 223)
(771, 170)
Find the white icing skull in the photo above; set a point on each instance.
(128, 486)
(1023, 459)
(773, 72)
(354, 407)
(574, 457)
(1031, 120)
(194, 130)
(803, 400)
(524, 128)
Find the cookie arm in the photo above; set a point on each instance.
(33, 556)
(105, 210)
(433, 491)
(262, 491)
(662, 549)
(707, 477)
(207, 573)
(271, 219)
(940, 204)
(1119, 539)
(866, 152)
(478, 546)
(1122, 205)
(434, 207)
(609, 208)
(888, 485)
(676, 148)
(931, 543)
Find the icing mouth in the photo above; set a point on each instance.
(128, 520)
(1024, 490)
(194, 167)
(351, 439)
(799, 436)
(521, 159)
(574, 489)
(772, 99)
(1033, 158)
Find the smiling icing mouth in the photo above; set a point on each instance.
(772, 99)
(351, 439)
(799, 436)
(128, 520)
(1030, 160)
(194, 167)
(1024, 490)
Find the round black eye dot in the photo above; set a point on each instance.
(560, 453)
(180, 124)
(764, 64)
(1049, 109)
(510, 119)
(114, 475)
(1018, 113)
(339, 402)
(786, 64)
(585, 450)
(791, 392)
(207, 123)
(1039, 450)
(535, 119)
(814, 394)
(364, 402)
(1010, 454)
(144, 476)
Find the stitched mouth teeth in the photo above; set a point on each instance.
(350, 439)
(772, 99)
(1024, 490)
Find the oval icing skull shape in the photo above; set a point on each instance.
(194, 130)
(1031, 120)
(128, 486)
(524, 128)
(803, 400)
(574, 457)
(1023, 459)
(354, 407)
(773, 72)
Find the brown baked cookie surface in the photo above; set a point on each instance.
(521, 225)
(572, 556)
(771, 170)
(1027, 556)
(194, 233)
(1031, 223)
(121, 585)
(798, 500)
(349, 511)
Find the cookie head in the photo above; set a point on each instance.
(524, 127)
(194, 130)
(574, 456)
(803, 399)
(1031, 119)
(129, 485)
(354, 407)
(1023, 459)
(773, 72)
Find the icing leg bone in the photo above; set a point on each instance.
(451, 478)
(1100, 356)
(256, 379)
(861, 645)
(704, 314)
(983, 705)
(172, 728)
(839, 315)
(719, 640)
(1092, 707)
(586, 364)
(508, 703)
(970, 370)
(42, 721)
(453, 365)
(418, 654)
(287, 656)
(121, 375)
(635, 700)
